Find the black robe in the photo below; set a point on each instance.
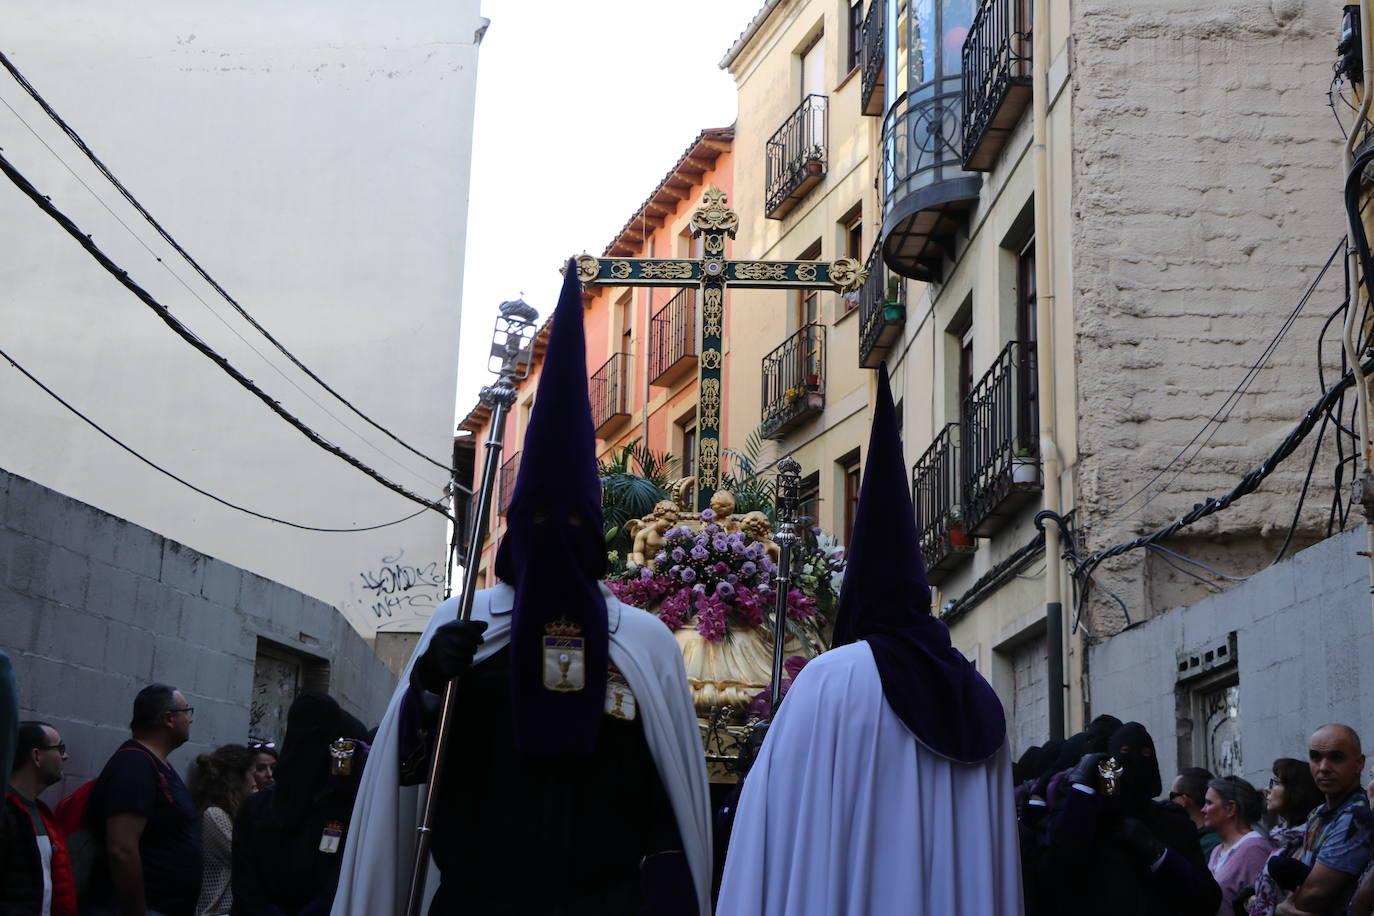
(551, 835)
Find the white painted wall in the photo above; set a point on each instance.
(314, 157)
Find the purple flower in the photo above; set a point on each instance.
(700, 540)
(661, 558)
(753, 550)
(732, 578)
(688, 574)
(719, 544)
(749, 568)
(712, 528)
(679, 554)
(645, 572)
(707, 515)
(699, 553)
(724, 590)
(720, 569)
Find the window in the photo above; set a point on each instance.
(856, 34)
(279, 675)
(809, 492)
(850, 467)
(1026, 330)
(852, 246)
(965, 363)
(1207, 704)
(689, 447)
(807, 303)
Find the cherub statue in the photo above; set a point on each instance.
(649, 531)
(756, 525)
(723, 505)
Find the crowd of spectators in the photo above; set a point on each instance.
(246, 834)
(1096, 837)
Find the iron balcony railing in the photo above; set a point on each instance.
(997, 78)
(882, 310)
(505, 483)
(1000, 440)
(935, 495)
(796, 156)
(610, 391)
(673, 334)
(794, 381)
(873, 58)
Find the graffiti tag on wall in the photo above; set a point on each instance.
(396, 586)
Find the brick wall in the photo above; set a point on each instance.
(94, 608)
(1302, 628)
(1206, 196)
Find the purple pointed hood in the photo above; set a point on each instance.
(885, 601)
(553, 553)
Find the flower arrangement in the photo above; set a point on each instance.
(715, 579)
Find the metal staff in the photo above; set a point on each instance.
(511, 345)
(786, 505)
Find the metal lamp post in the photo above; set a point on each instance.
(512, 350)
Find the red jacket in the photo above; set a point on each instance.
(63, 883)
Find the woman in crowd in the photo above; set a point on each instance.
(1232, 807)
(264, 762)
(219, 782)
(1292, 796)
(288, 837)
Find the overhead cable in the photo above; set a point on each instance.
(185, 334)
(104, 170)
(181, 480)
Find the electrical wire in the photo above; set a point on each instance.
(176, 276)
(185, 334)
(127, 195)
(1228, 405)
(181, 480)
(1199, 564)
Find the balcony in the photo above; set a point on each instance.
(673, 340)
(1000, 441)
(794, 382)
(945, 543)
(873, 58)
(882, 311)
(926, 192)
(610, 394)
(505, 483)
(796, 157)
(997, 79)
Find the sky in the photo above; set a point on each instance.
(582, 108)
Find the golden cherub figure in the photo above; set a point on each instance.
(649, 531)
(756, 525)
(723, 505)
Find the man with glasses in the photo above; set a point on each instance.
(143, 816)
(35, 872)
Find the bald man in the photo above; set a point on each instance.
(1340, 832)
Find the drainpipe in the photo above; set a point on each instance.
(1348, 340)
(1044, 363)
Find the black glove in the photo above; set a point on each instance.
(1287, 872)
(449, 654)
(1139, 839)
(1086, 774)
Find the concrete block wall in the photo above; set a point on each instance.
(1206, 196)
(93, 608)
(1302, 628)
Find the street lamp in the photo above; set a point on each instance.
(512, 351)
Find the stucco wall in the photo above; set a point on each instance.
(1206, 197)
(93, 608)
(314, 158)
(1302, 628)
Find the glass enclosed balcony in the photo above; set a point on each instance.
(926, 191)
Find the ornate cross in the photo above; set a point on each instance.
(712, 222)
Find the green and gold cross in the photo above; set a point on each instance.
(713, 222)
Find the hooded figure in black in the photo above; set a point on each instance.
(551, 805)
(1115, 848)
(287, 837)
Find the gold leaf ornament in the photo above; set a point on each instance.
(847, 274)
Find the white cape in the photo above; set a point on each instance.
(845, 812)
(380, 850)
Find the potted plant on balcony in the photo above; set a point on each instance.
(813, 382)
(958, 535)
(1025, 468)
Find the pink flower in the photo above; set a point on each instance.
(800, 606)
